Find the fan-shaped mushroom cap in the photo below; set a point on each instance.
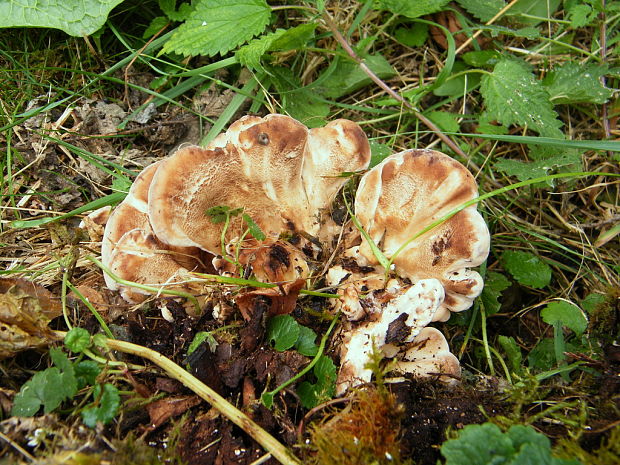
(130, 249)
(407, 192)
(339, 147)
(397, 320)
(429, 356)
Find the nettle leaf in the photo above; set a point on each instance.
(218, 26)
(526, 268)
(294, 38)
(514, 96)
(411, 9)
(574, 83)
(169, 7)
(283, 331)
(567, 314)
(494, 285)
(250, 55)
(580, 15)
(349, 77)
(414, 36)
(300, 103)
(484, 10)
(77, 19)
(538, 168)
(105, 407)
(313, 394)
(447, 122)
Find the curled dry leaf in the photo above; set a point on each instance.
(25, 312)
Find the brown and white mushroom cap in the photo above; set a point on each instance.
(409, 191)
(429, 356)
(399, 320)
(130, 249)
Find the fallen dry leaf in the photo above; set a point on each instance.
(282, 299)
(25, 312)
(162, 410)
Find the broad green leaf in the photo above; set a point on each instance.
(542, 357)
(447, 122)
(313, 394)
(513, 351)
(250, 55)
(105, 407)
(255, 230)
(26, 403)
(534, 8)
(592, 301)
(580, 15)
(305, 342)
(169, 7)
(76, 18)
(86, 373)
(574, 83)
(414, 36)
(157, 24)
(527, 268)
(218, 26)
(77, 339)
(482, 58)
(494, 285)
(409, 8)
(568, 314)
(458, 86)
(294, 38)
(300, 103)
(378, 153)
(219, 213)
(514, 96)
(349, 77)
(484, 10)
(199, 338)
(538, 168)
(284, 331)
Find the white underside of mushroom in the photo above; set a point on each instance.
(418, 302)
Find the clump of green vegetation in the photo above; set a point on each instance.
(607, 454)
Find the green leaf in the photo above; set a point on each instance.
(313, 394)
(219, 213)
(580, 15)
(294, 38)
(305, 342)
(494, 285)
(482, 58)
(534, 8)
(527, 268)
(592, 301)
(300, 103)
(77, 339)
(542, 357)
(541, 167)
(76, 18)
(157, 24)
(446, 121)
(105, 407)
(514, 96)
(409, 8)
(486, 444)
(199, 338)
(513, 351)
(568, 314)
(86, 373)
(412, 37)
(218, 26)
(26, 402)
(378, 152)
(349, 77)
(250, 55)
(284, 331)
(575, 83)
(484, 10)
(169, 7)
(255, 230)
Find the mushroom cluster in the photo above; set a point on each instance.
(284, 177)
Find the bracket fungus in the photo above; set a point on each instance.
(397, 203)
(274, 175)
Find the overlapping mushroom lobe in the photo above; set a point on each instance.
(409, 191)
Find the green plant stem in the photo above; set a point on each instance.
(308, 367)
(153, 289)
(485, 340)
(271, 444)
(92, 309)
